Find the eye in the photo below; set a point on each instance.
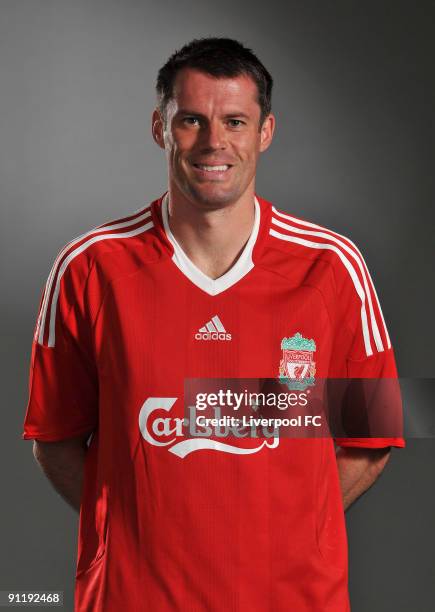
(235, 122)
(191, 120)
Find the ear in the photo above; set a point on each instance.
(267, 130)
(157, 128)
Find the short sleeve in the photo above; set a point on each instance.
(362, 350)
(63, 384)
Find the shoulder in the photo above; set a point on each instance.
(321, 247)
(119, 237)
(310, 236)
(317, 242)
(111, 236)
(86, 264)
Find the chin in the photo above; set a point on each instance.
(213, 198)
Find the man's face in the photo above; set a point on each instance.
(212, 137)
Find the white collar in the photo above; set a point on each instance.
(212, 286)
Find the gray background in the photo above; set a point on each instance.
(354, 150)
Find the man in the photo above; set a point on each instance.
(208, 281)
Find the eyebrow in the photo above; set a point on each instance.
(186, 111)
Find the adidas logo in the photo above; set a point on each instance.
(213, 330)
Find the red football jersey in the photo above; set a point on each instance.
(165, 524)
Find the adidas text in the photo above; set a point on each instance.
(212, 336)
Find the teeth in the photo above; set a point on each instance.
(212, 168)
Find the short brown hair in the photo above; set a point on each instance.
(220, 57)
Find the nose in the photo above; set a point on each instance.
(214, 136)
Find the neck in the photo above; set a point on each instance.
(212, 239)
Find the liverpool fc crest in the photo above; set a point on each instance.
(297, 367)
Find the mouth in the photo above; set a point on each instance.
(213, 172)
(215, 168)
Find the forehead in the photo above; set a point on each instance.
(193, 88)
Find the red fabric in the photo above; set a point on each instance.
(211, 530)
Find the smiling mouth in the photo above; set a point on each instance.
(215, 168)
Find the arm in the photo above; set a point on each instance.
(63, 462)
(358, 469)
